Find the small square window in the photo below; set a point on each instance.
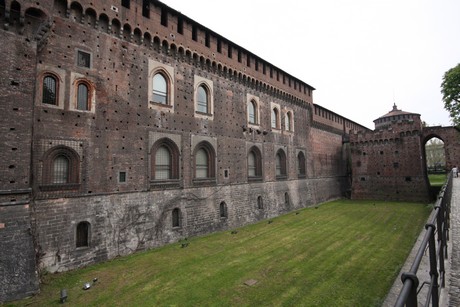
(83, 59)
(122, 177)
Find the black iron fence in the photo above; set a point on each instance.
(435, 242)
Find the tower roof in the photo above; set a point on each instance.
(396, 112)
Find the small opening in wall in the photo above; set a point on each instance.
(226, 173)
(408, 178)
(122, 177)
(363, 179)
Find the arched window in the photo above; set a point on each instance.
(50, 90)
(160, 89)
(280, 164)
(223, 210)
(165, 160)
(204, 161)
(83, 97)
(301, 165)
(82, 236)
(252, 112)
(61, 167)
(254, 163)
(275, 119)
(287, 201)
(260, 202)
(202, 99)
(288, 121)
(175, 216)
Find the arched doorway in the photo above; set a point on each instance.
(435, 159)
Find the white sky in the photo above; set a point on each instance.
(360, 55)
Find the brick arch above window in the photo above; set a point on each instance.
(50, 87)
(280, 164)
(160, 86)
(61, 169)
(254, 160)
(301, 165)
(83, 94)
(204, 161)
(203, 97)
(164, 160)
(253, 110)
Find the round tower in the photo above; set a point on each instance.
(396, 116)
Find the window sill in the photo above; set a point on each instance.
(281, 177)
(161, 104)
(203, 114)
(303, 176)
(255, 179)
(165, 184)
(60, 187)
(204, 181)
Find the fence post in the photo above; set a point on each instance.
(433, 265)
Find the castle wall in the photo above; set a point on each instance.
(389, 164)
(107, 200)
(18, 275)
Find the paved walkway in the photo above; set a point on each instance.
(450, 295)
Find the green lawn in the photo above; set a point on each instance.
(344, 253)
(437, 179)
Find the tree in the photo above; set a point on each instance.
(450, 89)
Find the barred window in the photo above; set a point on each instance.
(201, 164)
(61, 169)
(260, 202)
(160, 89)
(202, 97)
(162, 163)
(280, 163)
(223, 209)
(49, 90)
(165, 160)
(301, 164)
(175, 217)
(204, 155)
(251, 164)
(254, 163)
(83, 59)
(83, 97)
(82, 238)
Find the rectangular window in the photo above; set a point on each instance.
(125, 3)
(180, 25)
(219, 46)
(248, 60)
(229, 51)
(83, 59)
(194, 33)
(164, 17)
(146, 8)
(239, 56)
(122, 177)
(207, 40)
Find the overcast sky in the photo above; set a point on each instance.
(360, 55)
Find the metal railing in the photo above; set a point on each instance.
(437, 250)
